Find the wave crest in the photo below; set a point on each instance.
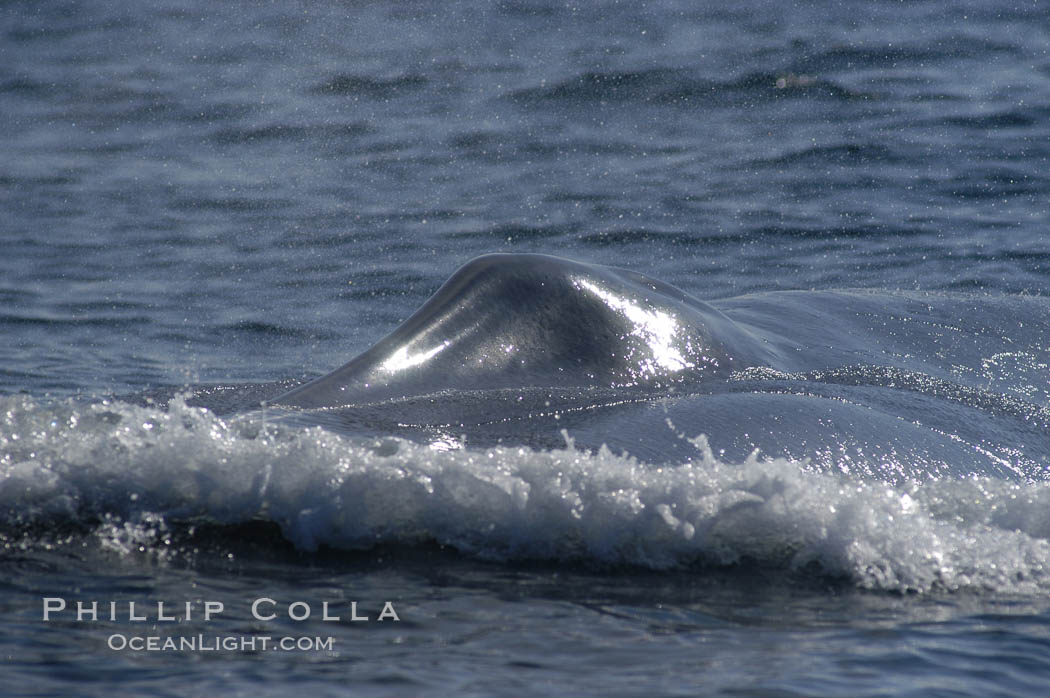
(129, 473)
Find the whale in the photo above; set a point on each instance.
(532, 320)
(534, 350)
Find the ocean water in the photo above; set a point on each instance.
(203, 205)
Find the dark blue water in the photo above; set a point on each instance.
(218, 194)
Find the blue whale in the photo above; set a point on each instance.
(530, 320)
(525, 348)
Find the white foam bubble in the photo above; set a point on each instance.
(131, 472)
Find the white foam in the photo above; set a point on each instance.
(131, 472)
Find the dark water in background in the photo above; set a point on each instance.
(252, 192)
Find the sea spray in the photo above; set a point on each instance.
(132, 474)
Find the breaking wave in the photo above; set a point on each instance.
(128, 475)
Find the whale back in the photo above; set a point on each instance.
(528, 320)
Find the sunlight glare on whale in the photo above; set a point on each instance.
(656, 328)
(401, 359)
